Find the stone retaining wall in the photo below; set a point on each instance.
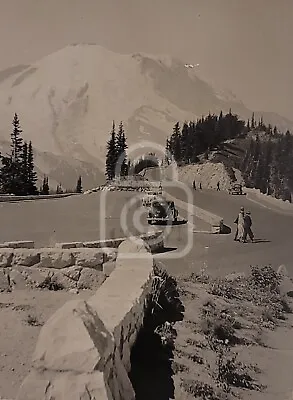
(153, 238)
(7, 198)
(67, 268)
(83, 350)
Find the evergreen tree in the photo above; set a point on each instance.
(24, 168)
(252, 121)
(111, 157)
(261, 122)
(167, 152)
(121, 147)
(79, 186)
(45, 190)
(16, 140)
(175, 143)
(59, 189)
(185, 144)
(31, 174)
(11, 173)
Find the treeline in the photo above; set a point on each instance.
(268, 164)
(117, 162)
(195, 138)
(17, 169)
(116, 157)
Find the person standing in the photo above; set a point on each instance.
(200, 187)
(239, 234)
(247, 227)
(194, 187)
(218, 186)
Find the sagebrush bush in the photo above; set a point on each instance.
(233, 373)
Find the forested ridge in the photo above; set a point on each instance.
(267, 164)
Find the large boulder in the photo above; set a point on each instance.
(36, 276)
(89, 258)
(6, 257)
(110, 253)
(72, 272)
(56, 258)
(63, 281)
(66, 385)
(18, 280)
(4, 281)
(108, 267)
(26, 257)
(286, 284)
(71, 340)
(90, 279)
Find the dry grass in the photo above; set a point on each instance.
(224, 317)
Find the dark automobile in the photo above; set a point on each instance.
(236, 189)
(162, 211)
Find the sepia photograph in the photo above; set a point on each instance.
(146, 200)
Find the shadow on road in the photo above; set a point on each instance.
(173, 223)
(164, 250)
(226, 230)
(261, 241)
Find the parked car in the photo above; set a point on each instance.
(236, 189)
(162, 211)
(150, 197)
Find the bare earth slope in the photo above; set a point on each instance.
(67, 101)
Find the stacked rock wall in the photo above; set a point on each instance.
(69, 266)
(84, 268)
(83, 351)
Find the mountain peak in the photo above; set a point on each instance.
(67, 100)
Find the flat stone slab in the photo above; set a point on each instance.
(69, 245)
(23, 244)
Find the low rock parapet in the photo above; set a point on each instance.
(69, 266)
(154, 239)
(83, 351)
(55, 268)
(19, 244)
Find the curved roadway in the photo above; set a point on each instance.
(79, 218)
(76, 218)
(273, 230)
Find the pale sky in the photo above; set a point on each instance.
(243, 45)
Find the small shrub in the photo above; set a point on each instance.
(226, 289)
(179, 367)
(167, 333)
(200, 389)
(193, 357)
(51, 284)
(231, 372)
(219, 326)
(164, 303)
(32, 320)
(265, 278)
(200, 277)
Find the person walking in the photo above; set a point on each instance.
(247, 227)
(200, 187)
(218, 186)
(194, 187)
(239, 234)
